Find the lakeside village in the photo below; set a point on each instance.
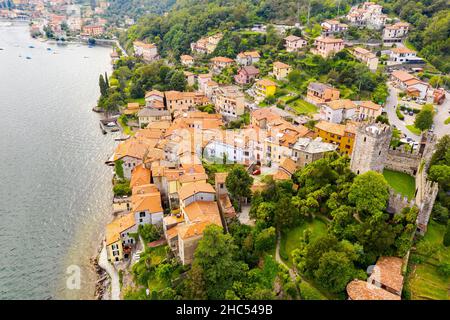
(63, 20)
(193, 159)
(282, 172)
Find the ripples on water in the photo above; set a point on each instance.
(55, 192)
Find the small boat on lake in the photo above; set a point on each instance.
(31, 47)
(28, 57)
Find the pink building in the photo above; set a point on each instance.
(246, 75)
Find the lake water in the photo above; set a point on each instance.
(55, 191)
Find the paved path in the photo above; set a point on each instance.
(104, 264)
(443, 112)
(391, 104)
(293, 273)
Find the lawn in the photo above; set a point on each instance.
(126, 129)
(290, 239)
(413, 129)
(141, 101)
(425, 282)
(401, 182)
(308, 292)
(302, 107)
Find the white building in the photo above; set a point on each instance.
(395, 33)
(367, 57)
(338, 110)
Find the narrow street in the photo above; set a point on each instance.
(104, 264)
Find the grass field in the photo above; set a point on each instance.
(302, 107)
(290, 239)
(447, 121)
(425, 282)
(401, 182)
(414, 129)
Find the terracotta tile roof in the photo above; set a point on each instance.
(202, 211)
(281, 175)
(133, 147)
(222, 59)
(370, 105)
(144, 45)
(341, 104)
(186, 57)
(329, 40)
(362, 290)
(390, 272)
(227, 206)
(187, 231)
(154, 93)
(147, 202)
(140, 176)
(361, 50)
(331, 127)
(145, 188)
(253, 54)
(281, 65)
(192, 177)
(220, 177)
(292, 38)
(172, 233)
(204, 76)
(250, 70)
(402, 50)
(266, 83)
(289, 165)
(402, 75)
(193, 168)
(188, 190)
(115, 228)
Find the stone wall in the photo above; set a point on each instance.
(397, 160)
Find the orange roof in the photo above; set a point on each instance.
(281, 175)
(341, 104)
(390, 272)
(281, 65)
(154, 93)
(177, 95)
(222, 59)
(362, 290)
(192, 177)
(220, 177)
(292, 38)
(266, 83)
(289, 165)
(133, 147)
(253, 54)
(402, 75)
(140, 176)
(370, 105)
(331, 127)
(187, 231)
(329, 40)
(193, 168)
(186, 57)
(144, 45)
(202, 211)
(115, 228)
(402, 50)
(147, 202)
(145, 188)
(172, 232)
(188, 190)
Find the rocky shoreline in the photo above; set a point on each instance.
(103, 282)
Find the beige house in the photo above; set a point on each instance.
(229, 101)
(220, 63)
(178, 102)
(118, 239)
(190, 78)
(281, 70)
(154, 99)
(307, 150)
(367, 57)
(147, 51)
(294, 43)
(368, 110)
(327, 46)
(187, 60)
(149, 115)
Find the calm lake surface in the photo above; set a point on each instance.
(55, 191)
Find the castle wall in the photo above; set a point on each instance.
(402, 162)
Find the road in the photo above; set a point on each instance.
(104, 264)
(443, 112)
(391, 104)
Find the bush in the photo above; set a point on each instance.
(122, 189)
(149, 232)
(118, 167)
(444, 269)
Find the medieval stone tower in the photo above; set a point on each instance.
(370, 148)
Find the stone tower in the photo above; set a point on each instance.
(370, 148)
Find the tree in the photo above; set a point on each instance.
(424, 119)
(102, 85)
(335, 271)
(195, 287)
(286, 213)
(440, 174)
(215, 255)
(118, 168)
(177, 81)
(164, 272)
(369, 193)
(265, 240)
(238, 183)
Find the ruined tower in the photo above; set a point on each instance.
(370, 148)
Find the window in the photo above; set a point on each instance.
(142, 214)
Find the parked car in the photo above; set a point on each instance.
(256, 172)
(411, 113)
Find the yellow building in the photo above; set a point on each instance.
(281, 70)
(265, 87)
(118, 238)
(342, 135)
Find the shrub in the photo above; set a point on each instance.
(122, 189)
(149, 232)
(447, 236)
(444, 269)
(118, 167)
(399, 114)
(265, 240)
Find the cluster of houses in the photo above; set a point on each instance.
(61, 17)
